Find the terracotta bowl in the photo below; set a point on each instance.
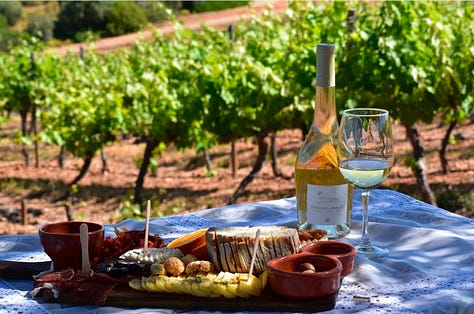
(61, 242)
(344, 252)
(286, 278)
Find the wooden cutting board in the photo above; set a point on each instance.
(268, 301)
(125, 296)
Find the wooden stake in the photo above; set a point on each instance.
(254, 253)
(233, 158)
(147, 225)
(84, 234)
(24, 213)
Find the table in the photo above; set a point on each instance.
(430, 268)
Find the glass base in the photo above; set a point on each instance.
(372, 250)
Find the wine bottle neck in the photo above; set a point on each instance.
(325, 74)
(325, 116)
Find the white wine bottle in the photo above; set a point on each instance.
(324, 199)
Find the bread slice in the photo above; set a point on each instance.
(230, 248)
(213, 253)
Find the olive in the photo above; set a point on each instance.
(307, 268)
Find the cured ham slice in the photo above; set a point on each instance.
(80, 289)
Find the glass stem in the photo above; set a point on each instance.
(365, 242)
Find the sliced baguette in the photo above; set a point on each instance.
(230, 248)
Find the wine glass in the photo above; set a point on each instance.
(365, 157)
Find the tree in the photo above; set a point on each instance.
(40, 26)
(76, 17)
(8, 38)
(457, 89)
(245, 90)
(12, 10)
(151, 106)
(19, 80)
(123, 17)
(86, 110)
(159, 11)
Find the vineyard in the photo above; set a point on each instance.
(207, 92)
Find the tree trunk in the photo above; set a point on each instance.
(274, 151)
(68, 204)
(24, 131)
(68, 197)
(84, 169)
(444, 144)
(262, 153)
(34, 129)
(62, 157)
(103, 157)
(420, 169)
(207, 160)
(151, 144)
(304, 131)
(233, 159)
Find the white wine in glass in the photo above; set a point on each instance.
(365, 156)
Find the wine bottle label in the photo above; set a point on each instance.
(327, 205)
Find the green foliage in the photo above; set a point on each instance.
(457, 90)
(412, 163)
(12, 10)
(211, 173)
(80, 16)
(207, 6)
(87, 112)
(20, 79)
(31, 3)
(151, 105)
(124, 17)
(3, 22)
(199, 87)
(8, 38)
(159, 11)
(454, 200)
(41, 26)
(395, 60)
(128, 210)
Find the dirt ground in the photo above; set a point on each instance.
(181, 185)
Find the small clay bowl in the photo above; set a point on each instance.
(62, 243)
(343, 251)
(286, 278)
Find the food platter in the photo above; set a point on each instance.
(136, 269)
(123, 295)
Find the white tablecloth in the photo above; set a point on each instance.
(430, 268)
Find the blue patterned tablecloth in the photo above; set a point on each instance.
(430, 268)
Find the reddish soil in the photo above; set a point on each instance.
(181, 185)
